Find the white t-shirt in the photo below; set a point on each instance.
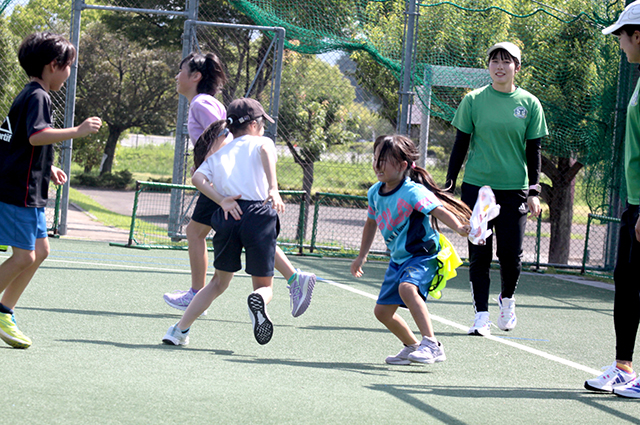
(236, 169)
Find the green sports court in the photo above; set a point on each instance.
(96, 317)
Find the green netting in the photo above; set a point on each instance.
(567, 62)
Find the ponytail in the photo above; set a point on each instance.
(212, 71)
(207, 141)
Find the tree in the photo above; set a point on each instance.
(126, 85)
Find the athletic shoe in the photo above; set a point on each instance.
(481, 324)
(507, 319)
(610, 379)
(175, 336)
(10, 333)
(180, 299)
(402, 358)
(300, 292)
(428, 353)
(629, 390)
(262, 326)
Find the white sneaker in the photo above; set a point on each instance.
(629, 390)
(507, 319)
(610, 379)
(402, 358)
(428, 353)
(175, 336)
(481, 324)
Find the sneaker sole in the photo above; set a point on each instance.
(306, 300)
(592, 388)
(429, 361)
(263, 331)
(13, 342)
(477, 333)
(398, 362)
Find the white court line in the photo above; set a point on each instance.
(374, 297)
(490, 337)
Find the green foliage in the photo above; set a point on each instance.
(118, 180)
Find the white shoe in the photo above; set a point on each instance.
(481, 324)
(402, 358)
(629, 390)
(610, 379)
(428, 353)
(507, 319)
(175, 336)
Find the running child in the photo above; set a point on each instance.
(26, 167)
(241, 178)
(200, 78)
(400, 205)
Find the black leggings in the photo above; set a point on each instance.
(626, 306)
(508, 228)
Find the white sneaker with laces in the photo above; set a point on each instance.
(507, 319)
(629, 390)
(402, 358)
(610, 379)
(428, 352)
(175, 336)
(481, 324)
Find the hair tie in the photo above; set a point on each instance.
(224, 132)
(229, 120)
(413, 164)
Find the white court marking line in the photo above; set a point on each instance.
(374, 297)
(490, 337)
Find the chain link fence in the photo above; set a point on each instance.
(341, 88)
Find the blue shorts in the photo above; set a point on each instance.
(256, 232)
(21, 226)
(418, 271)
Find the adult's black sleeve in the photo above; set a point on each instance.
(459, 152)
(534, 161)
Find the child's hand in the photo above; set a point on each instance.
(230, 206)
(58, 176)
(463, 230)
(356, 266)
(276, 201)
(534, 205)
(89, 126)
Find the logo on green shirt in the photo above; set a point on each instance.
(520, 112)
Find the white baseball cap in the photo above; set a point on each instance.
(629, 16)
(511, 48)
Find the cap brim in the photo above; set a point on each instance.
(268, 118)
(612, 28)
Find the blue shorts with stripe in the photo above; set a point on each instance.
(418, 271)
(21, 226)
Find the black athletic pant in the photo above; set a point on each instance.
(626, 307)
(508, 229)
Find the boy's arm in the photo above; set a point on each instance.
(51, 135)
(228, 204)
(368, 235)
(445, 216)
(268, 158)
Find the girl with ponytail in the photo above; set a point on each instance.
(400, 205)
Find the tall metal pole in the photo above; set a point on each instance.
(69, 112)
(406, 95)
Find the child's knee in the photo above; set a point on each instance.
(407, 291)
(382, 313)
(23, 259)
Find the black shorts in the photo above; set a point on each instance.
(204, 209)
(256, 232)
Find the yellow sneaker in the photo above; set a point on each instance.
(10, 333)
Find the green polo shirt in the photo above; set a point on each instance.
(632, 149)
(499, 124)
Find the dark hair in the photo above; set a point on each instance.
(504, 55)
(207, 140)
(628, 29)
(211, 69)
(238, 129)
(40, 49)
(400, 148)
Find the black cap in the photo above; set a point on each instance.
(246, 109)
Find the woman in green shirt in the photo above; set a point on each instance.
(500, 126)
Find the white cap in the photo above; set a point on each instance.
(629, 16)
(511, 48)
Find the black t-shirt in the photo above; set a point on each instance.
(25, 170)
